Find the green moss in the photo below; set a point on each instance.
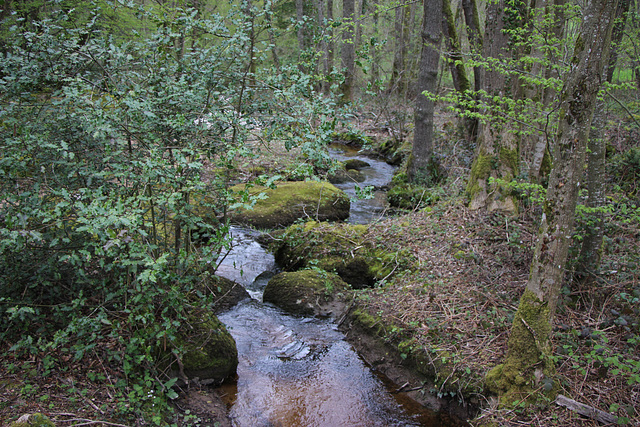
(33, 420)
(208, 350)
(528, 360)
(303, 292)
(291, 201)
(509, 157)
(480, 170)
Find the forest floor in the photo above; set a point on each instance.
(458, 302)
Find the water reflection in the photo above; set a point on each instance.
(322, 383)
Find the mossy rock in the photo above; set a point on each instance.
(209, 350)
(341, 176)
(355, 164)
(340, 248)
(305, 292)
(33, 420)
(355, 271)
(226, 293)
(291, 201)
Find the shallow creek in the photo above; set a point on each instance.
(300, 371)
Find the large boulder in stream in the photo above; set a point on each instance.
(345, 249)
(307, 292)
(290, 201)
(226, 293)
(206, 350)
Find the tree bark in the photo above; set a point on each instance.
(472, 18)
(496, 155)
(398, 81)
(420, 168)
(348, 50)
(591, 249)
(528, 364)
(456, 66)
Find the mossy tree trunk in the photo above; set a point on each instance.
(457, 68)
(497, 152)
(527, 365)
(420, 166)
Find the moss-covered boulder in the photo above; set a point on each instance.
(207, 350)
(355, 164)
(348, 250)
(290, 201)
(306, 292)
(341, 176)
(33, 420)
(226, 293)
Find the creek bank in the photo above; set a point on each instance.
(354, 253)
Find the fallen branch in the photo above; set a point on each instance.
(586, 410)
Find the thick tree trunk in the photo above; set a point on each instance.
(420, 168)
(348, 50)
(496, 155)
(528, 365)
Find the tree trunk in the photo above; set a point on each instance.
(398, 81)
(456, 66)
(528, 364)
(496, 155)
(472, 18)
(301, 32)
(348, 50)
(547, 19)
(420, 168)
(328, 63)
(591, 249)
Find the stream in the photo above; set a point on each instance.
(296, 371)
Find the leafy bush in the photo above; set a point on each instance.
(117, 159)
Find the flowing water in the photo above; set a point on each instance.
(300, 371)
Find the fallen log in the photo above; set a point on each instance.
(586, 410)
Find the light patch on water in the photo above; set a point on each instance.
(294, 373)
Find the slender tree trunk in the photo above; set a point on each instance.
(547, 18)
(591, 249)
(348, 50)
(420, 164)
(330, 43)
(456, 66)
(472, 19)
(272, 41)
(397, 83)
(528, 364)
(616, 36)
(373, 50)
(301, 33)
